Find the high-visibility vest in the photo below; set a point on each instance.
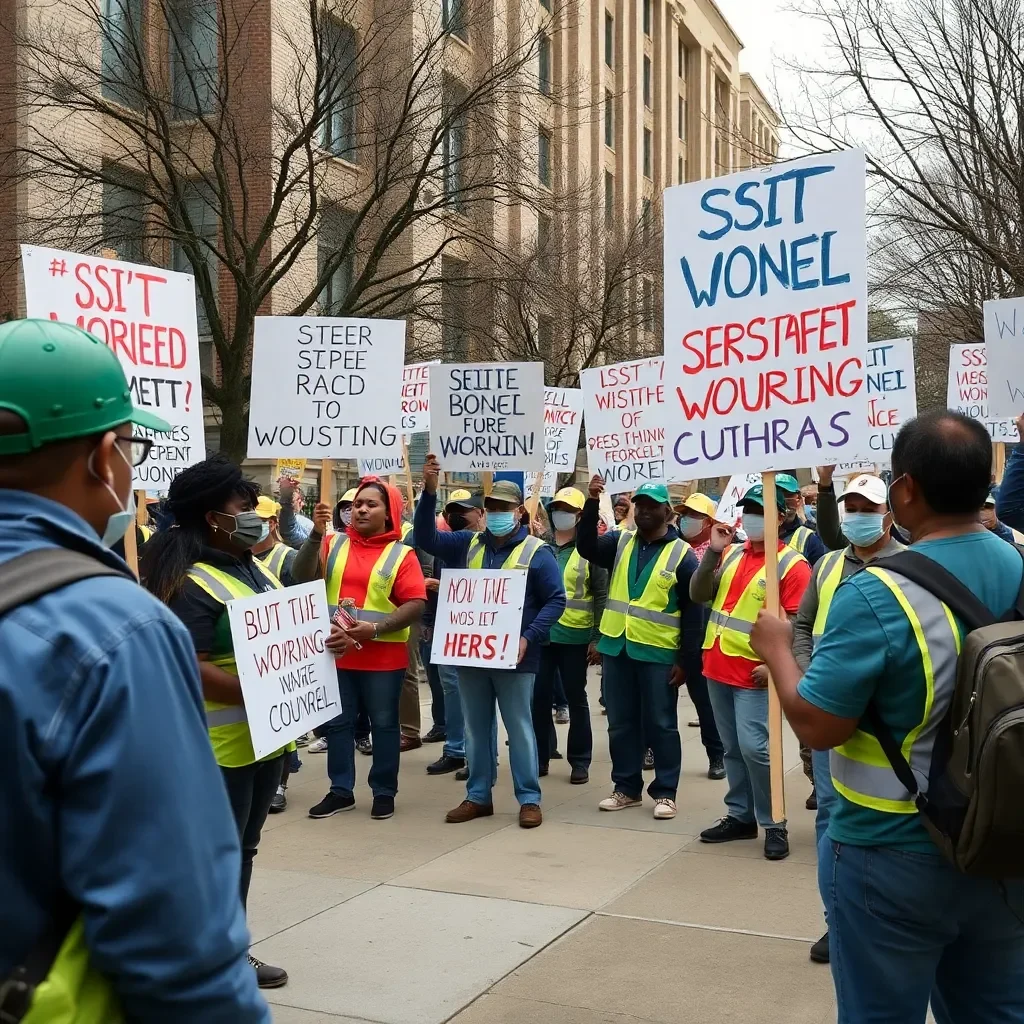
(519, 557)
(732, 627)
(579, 600)
(798, 539)
(145, 532)
(274, 558)
(828, 576)
(1018, 537)
(227, 724)
(860, 770)
(406, 530)
(645, 620)
(377, 605)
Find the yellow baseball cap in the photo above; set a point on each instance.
(460, 495)
(701, 503)
(571, 496)
(349, 495)
(267, 507)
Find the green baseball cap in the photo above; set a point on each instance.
(786, 482)
(656, 492)
(755, 495)
(63, 383)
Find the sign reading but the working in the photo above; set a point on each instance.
(967, 390)
(479, 617)
(147, 316)
(289, 682)
(766, 318)
(487, 416)
(330, 387)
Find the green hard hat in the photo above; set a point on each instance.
(786, 482)
(654, 491)
(63, 383)
(755, 496)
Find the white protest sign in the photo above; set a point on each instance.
(766, 318)
(326, 387)
(416, 397)
(547, 487)
(382, 465)
(487, 416)
(734, 490)
(147, 316)
(967, 390)
(624, 423)
(1004, 346)
(289, 681)
(479, 617)
(563, 417)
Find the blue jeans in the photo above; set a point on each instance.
(452, 720)
(742, 718)
(827, 798)
(438, 707)
(641, 705)
(513, 691)
(378, 694)
(906, 927)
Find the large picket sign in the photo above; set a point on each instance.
(326, 387)
(487, 416)
(147, 315)
(967, 390)
(479, 617)
(289, 681)
(624, 424)
(738, 485)
(1004, 346)
(416, 397)
(892, 399)
(766, 318)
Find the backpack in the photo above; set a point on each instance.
(972, 809)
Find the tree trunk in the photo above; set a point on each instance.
(234, 430)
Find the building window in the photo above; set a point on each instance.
(647, 153)
(453, 18)
(647, 17)
(453, 143)
(546, 4)
(609, 197)
(609, 118)
(124, 218)
(645, 220)
(680, 172)
(194, 31)
(544, 60)
(544, 156)
(454, 335)
(543, 242)
(680, 57)
(647, 82)
(681, 102)
(338, 56)
(198, 218)
(121, 51)
(647, 302)
(609, 40)
(336, 267)
(545, 334)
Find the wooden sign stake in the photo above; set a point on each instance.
(327, 481)
(534, 500)
(141, 512)
(487, 482)
(408, 473)
(998, 460)
(771, 571)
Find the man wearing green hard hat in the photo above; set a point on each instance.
(792, 530)
(121, 893)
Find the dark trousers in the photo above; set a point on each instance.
(558, 692)
(250, 790)
(436, 690)
(570, 662)
(698, 687)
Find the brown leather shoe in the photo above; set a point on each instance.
(467, 811)
(410, 743)
(530, 816)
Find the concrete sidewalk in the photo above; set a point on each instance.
(591, 918)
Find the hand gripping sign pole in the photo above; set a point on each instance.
(771, 604)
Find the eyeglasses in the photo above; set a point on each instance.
(140, 447)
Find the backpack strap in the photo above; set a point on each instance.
(39, 572)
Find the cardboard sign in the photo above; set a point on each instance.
(479, 617)
(416, 397)
(328, 387)
(289, 681)
(727, 511)
(292, 469)
(766, 318)
(382, 465)
(147, 315)
(487, 416)
(563, 417)
(547, 487)
(967, 390)
(625, 434)
(1004, 345)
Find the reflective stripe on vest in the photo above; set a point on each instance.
(732, 628)
(406, 530)
(798, 539)
(644, 620)
(1018, 537)
(274, 560)
(860, 770)
(519, 557)
(146, 533)
(377, 604)
(828, 576)
(579, 601)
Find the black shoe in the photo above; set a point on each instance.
(819, 951)
(462, 775)
(280, 801)
(556, 756)
(445, 764)
(729, 829)
(716, 768)
(776, 844)
(648, 760)
(542, 770)
(435, 735)
(332, 804)
(811, 803)
(383, 807)
(364, 745)
(267, 976)
(579, 776)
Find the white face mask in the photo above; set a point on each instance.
(690, 527)
(753, 526)
(118, 522)
(563, 521)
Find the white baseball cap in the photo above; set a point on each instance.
(870, 487)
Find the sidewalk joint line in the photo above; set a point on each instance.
(703, 927)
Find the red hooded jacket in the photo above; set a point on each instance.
(408, 585)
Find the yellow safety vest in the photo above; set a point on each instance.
(274, 558)
(1018, 537)
(579, 600)
(733, 628)
(377, 605)
(645, 620)
(860, 770)
(146, 533)
(798, 539)
(227, 724)
(519, 557)
(406, 530)
(828, 576)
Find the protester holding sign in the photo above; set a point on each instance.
(792, 530)
(277, 556)
(196, 568)
(1010, 493)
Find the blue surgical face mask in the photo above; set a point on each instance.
(862, 529)
(264, 533)
(563, 521)
(690, 527)
(753, 526)
(118, 522)
(501, 523)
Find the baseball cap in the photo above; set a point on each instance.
(656, 492)
(870, 487)
(701, 503)
(464, 499)
(63, 383)
(506, 490)
(349, 495)
(267, 507)
(571, 496)
(786, 482)
(755, 496)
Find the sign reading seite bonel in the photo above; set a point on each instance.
(766, 318)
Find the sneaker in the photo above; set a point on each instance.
(728, 829)
(435, 735)
(649, 760)
(556, 756)
(267, 976)
(280, 801)
(579, 776)
(364, 745)
(819, 951)
(410, 743)
(664, 808)
(695, 724)
(332, 804)
(303, 740)
(462, 775)
(618, 801)
(776, 844)
(383, 807)
(530, 816)
(445, 764)
(716, 768)
(542, 770)
(318, 746)
(562, 716)
(811, 803)
(467, 811)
